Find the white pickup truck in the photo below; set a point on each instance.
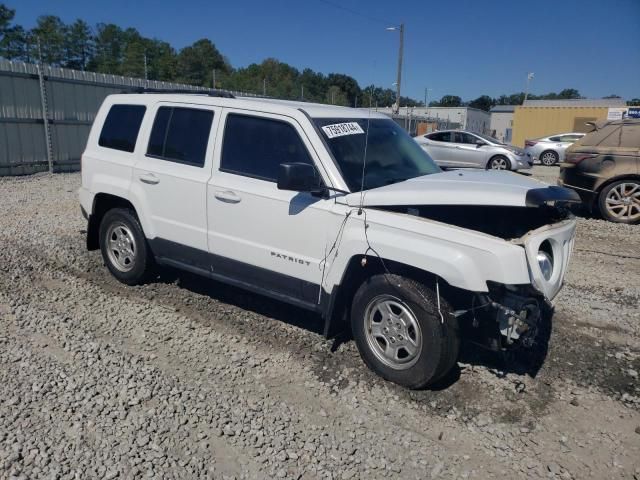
(332, 209)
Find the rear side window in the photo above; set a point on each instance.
(121, 127)
(255, 147)
(181, 135)
(440, 136)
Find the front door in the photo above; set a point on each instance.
(170, 180)
(259, 235)
(466, 152)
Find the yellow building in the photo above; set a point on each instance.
(541, 118)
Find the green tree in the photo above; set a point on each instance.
(569, 93)
(346, 84)
(109, 47)
(197, 62)
(133, 54)
(78, 45)
(450, 101)
(50, 32)
(613, 95)
(634, 102)
(336, 96)
(6, 17)
(483, 102)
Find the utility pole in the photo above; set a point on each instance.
(264, 87)
(530, 76)
(146, 74)
(396, 107)
(301, 92)
(214, 78)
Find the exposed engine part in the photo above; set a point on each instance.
(517, 318)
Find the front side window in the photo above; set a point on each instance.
(181, 135)
(391, 154)
(256, 146)
(121, 127)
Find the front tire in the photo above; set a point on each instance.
(124, 247)
(549, 158)
(620, 201)
(399, 331)
(499, 162)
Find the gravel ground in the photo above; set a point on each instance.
(187, 378)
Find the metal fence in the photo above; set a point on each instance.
(420, 124)
(46, 113)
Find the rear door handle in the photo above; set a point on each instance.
(149, 178)
(227, 196)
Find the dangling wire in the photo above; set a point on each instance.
(364, 159)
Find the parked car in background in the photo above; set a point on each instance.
(458, 148)
(604, 168)
(550, 150)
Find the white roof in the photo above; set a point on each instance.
(287, 107)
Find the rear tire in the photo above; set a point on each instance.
(620, 201)
(124, 247)
(499, 162)
(399, 332)
(549, 158)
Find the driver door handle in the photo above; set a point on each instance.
(149, 178)
(227, 196)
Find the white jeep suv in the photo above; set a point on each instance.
(331, 209)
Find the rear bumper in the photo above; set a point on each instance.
(584, 184)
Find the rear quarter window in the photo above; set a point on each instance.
(121, 127)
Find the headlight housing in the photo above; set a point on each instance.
(545, 262)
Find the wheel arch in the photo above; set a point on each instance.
(606, 183)
(102, 203)
(335, 306)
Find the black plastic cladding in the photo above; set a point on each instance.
(540, 196)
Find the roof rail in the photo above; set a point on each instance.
(210, 93)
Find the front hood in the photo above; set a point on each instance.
(457, 187)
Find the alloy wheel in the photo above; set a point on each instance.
(499, 163)
(393, 332)
(548, 158)
(623, 201)
(121, 247)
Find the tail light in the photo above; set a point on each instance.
(576, 158)
(529, 143)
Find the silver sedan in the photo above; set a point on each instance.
(458, 148)
(550, 150)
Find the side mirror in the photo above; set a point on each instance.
(479, 143)
(298, 177)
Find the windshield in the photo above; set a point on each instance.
(392, 155)
(489, 139)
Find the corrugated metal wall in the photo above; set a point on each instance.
(72, 100)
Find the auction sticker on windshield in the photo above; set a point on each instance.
(342, 129)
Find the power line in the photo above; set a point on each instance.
(356, 12)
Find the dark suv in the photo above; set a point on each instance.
(604, 168)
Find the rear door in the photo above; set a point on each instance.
(261, 237)
(170, 179)
(439, 146)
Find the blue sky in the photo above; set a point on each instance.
(465, 47)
